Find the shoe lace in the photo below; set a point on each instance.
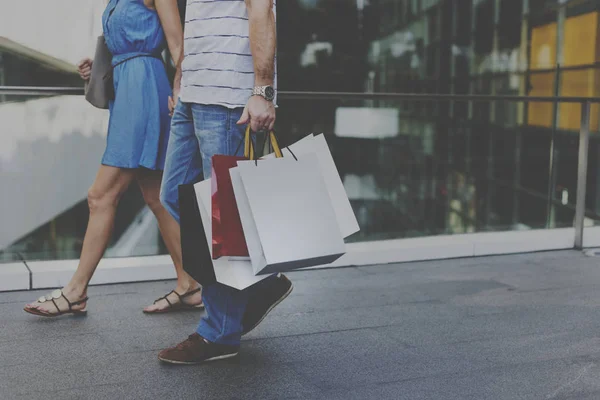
(191, 341)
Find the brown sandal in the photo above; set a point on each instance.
(179, 306)
(55, 295)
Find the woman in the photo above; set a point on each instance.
(138, 133)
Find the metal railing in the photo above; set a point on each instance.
(584, 131)
(39, 91)
(305, 95)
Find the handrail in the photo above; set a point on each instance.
(302, 95)
(295, 95)
(40, 90)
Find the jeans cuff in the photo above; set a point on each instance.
(209, 335)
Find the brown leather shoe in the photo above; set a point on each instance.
(195, 350)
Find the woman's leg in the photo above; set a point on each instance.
(103, 198)
(149, 182)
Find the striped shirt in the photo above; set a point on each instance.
(217, 67)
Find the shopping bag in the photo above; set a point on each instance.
(255, 250)
(249, 227)
(227, 233)
(291, 209)
(231, 272)
(317, 144)
(196, 240)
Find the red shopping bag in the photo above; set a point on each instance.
(227, 233)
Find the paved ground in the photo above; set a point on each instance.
(513, 327)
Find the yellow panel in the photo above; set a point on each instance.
(574, 84)
(542, 84)
(580, 44)
(543, 47)
(579, 40)
(543, 55)
(595, 108)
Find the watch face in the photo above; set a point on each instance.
(269, 93)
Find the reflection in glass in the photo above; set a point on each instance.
(413, 173)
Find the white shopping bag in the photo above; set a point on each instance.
(237, 273)
(292, 211)
(255, 250)
(335, 187)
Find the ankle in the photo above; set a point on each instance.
(186, 286)
(72, 291)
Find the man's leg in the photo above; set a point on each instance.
(231, 313)
(184, 163)
(217, 133)
(219, 332)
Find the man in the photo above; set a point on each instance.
(226, 81)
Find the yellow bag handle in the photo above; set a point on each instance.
(249, 146)
(275, 144)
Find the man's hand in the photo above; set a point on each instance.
(85, 68)
(259, 113)
(173, 101)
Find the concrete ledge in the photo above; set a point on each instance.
(14, 276)
(456, 246)
(50, 274)
(405, 250)
(591, 236)
(491, 243)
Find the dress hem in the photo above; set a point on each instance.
(116, 165)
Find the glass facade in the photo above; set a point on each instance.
(488, 166)
(411, 168)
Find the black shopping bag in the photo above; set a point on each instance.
(197, 260)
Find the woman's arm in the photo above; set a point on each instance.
(168, 12)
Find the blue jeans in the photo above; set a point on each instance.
(197, 133)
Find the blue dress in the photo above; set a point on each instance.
(138, 128)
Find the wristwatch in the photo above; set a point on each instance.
(268, 92)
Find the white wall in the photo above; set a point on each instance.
(65, 29)
(50, 149)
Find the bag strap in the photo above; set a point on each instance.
(274, 143)
(277, 149)
(249, 151)
(248, 144)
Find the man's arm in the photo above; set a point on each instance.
(263, 40)
(259, 112)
